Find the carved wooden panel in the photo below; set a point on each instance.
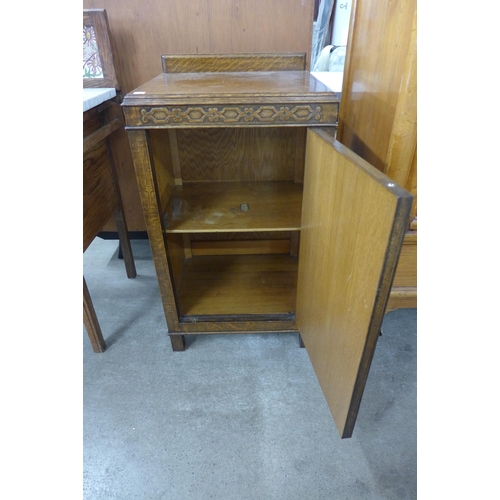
(245, 115)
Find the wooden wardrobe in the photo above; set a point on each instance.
(378, 111)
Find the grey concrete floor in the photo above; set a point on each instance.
(234, 416)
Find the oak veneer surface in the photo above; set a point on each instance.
(99, 201)
(234, 207)
(406, 275)
(217, 87)
(240, 247)
(233, 62)
(238, 99)
(378, 112)
(239, 154)
(238, 284)
(349, 247)
(162, 152)
(382, 35)
(146, 180)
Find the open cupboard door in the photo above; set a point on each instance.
(353, 223)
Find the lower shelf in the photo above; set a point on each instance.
(238, 285)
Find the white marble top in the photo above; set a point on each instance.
(94, 97)
(332, 79)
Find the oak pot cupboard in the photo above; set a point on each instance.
(258, 219)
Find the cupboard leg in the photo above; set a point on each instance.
(91, 323)
(301, 342)
(178, 342)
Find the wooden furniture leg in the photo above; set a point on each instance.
(121, 224)
(125, 248)
(178, 342)
(91, 323)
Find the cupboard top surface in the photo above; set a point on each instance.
(224, 87)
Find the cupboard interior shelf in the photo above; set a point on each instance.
(234, 207)
(238, 285)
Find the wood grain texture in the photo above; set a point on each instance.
(91, 322)
(99, 135)
(91, 122)
(353, 223)
(176, 161)
(101, 194)
(195, 63)
(404, 289)
(253, 235)
(300, 151)
(236, 154)
(240, 247)
(378, 113)
(151, 206)
(406, 272)
(234, 207)
(402, 146)
(162, 163)
(99, 201)
(238, 284)
(243, 327)
(241, 87)
(176, 254)
(381, 40)
(242, 99)
(290, 114)
(402, 297)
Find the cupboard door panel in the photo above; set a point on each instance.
(353, 224)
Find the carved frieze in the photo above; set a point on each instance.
(264, 114)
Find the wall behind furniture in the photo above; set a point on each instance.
(142, 31)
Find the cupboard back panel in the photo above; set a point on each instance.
(237, 154)
(264, 235)
(241, 243)
(238, 285)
